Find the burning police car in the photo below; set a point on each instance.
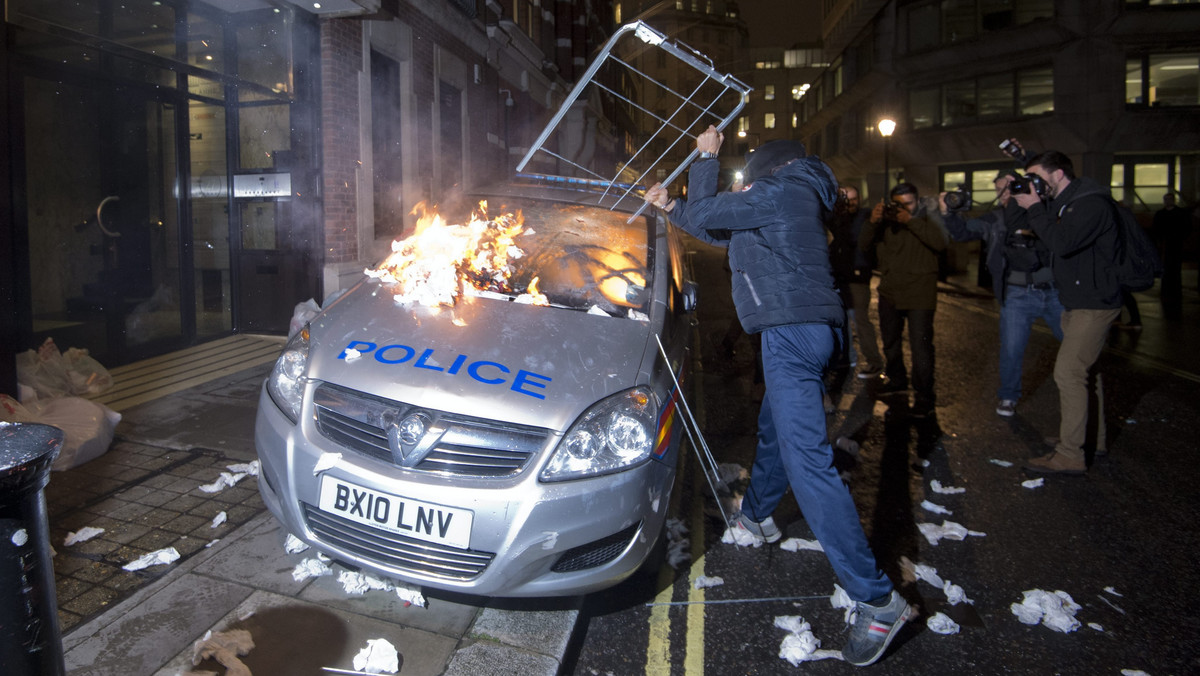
(488, 410)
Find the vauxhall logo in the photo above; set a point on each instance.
(412, 437)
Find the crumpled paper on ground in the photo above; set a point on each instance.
(945, 490)
(379, 657)
(158, 558)
(250, 468)
(219, 519)
(919, 571)
(948, 530)
(293, 544)
(704, 581)
(934, 507)
(1002, 463)
(740, 537)
(940, 623)
(310, 568)
(225, 647)
(82, 535)
(1055, 610)
(357, 584)
(801, 645)
(840, 599)
(1034, 483)
(226, 480)
(797, 544)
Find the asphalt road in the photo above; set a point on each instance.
(1128, 526)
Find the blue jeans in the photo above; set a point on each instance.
(793, 449)
(1022, 306)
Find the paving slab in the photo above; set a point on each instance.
(440, 616)
(493, 659)
(298, 638)
(159, 628)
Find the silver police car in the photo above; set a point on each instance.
(494, 447)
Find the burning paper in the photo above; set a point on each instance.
(158, 558)
(439, 262)
(1056, 610)
(379, 657)
(82, 535)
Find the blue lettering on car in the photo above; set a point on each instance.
(487, 372)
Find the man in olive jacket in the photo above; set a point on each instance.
(907, 244)
(1079, 227)
(783, 288)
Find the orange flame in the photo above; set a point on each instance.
(439, 262)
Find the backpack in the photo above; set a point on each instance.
(1137, 262)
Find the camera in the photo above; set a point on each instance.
(1013, 149)
(1027, 184)
(958, 200)
(891, 210)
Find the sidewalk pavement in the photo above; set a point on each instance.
(145, 492)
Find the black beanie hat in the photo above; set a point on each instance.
(763, 159)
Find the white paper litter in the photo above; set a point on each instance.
(1133, 672)
(797, 544)
(1113, 591)
(360, 583)
(293, 544)
(19, 537)
(219, 519)
(326, 461)
(1034, 483)
(210, 544)
(945, 490)
(949, 530)
(379, 657)
(955, 594)
(740, 537)
(226, 480)
(639, 316)
(704, 581)
(1095, 626)
(410, 595)
(940, 623)
(1002, 463)
(1110, 604)
(678, 546)
(840, 599)
(1056, 611)
(934, 507)
(595, 310)
(310, 568)
(919, 571)
(350, 354)
(800, 645)
(82, 535)
(158, 558)
(250, 468)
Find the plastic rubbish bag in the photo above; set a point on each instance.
(87, 426)
(52, 374)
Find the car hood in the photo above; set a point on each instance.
(484, 357)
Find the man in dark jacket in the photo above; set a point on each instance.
(907, 243)
(783, 289)
(1079, 228)
(1022, 280)
(852, 269)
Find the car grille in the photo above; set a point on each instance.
(595, 553)
(475, 447)
(396, 551)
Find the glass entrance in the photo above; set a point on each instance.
(103, 218)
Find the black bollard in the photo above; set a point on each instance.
(30, 641)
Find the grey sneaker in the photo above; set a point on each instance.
(1006, 408)
(766, 530)
(873, 628)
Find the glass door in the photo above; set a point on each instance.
(100, 168)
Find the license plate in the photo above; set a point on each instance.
(404, 516)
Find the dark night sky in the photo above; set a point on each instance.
(781, 23)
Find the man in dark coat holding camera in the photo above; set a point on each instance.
(783, 289)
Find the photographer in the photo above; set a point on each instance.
(1021, 279)
(907, 244)
(1078, 226)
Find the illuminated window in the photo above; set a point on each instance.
(769, 121)
(795, 120)
(617, 13)
(769, 93)
(1163, 80)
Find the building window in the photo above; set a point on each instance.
(1163, 80)
(1028, 92)
(1159, 3)
(979, 179)
(617, 13)
(743, 124)
(527, 17)
(795, 120)
(1140, 182)
(945, 22)
(769, 93)
(769, 121)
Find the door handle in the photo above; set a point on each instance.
(100, 222)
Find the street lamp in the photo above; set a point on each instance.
(886, 127)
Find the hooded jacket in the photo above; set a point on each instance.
(1079, 228)
(774, 230)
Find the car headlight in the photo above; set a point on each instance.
(286, 382)
(614, 434)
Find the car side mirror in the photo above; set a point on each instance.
(691, 295)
